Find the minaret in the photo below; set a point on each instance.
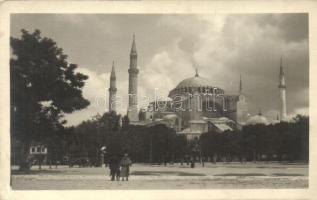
(196, 103)
(240, 85)
(242, 106)
(133, 84)
(112, 90)
(282, 88)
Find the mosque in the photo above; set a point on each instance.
(196, 105)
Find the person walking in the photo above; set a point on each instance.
(192, 162)
(114, 165)
(125, 164)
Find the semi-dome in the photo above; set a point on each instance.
(170, 116)
(257, 119)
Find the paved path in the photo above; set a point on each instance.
(212, 176)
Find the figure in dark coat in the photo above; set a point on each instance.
(125, 164)
(114, 165)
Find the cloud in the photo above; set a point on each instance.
(243, 44)
(163, 71)
(95, 90)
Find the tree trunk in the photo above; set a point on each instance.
(55, 160)
(40, 162)
(50, 165)
(24, 158)
(150, 152)
(254, 156)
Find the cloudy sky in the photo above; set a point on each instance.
(170, 47)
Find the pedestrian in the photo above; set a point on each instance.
(203, 161)
(125, 164)
(114, 165)
(192, 162)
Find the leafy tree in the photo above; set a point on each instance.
(44, 86)
(281, 141)
(133, 141)
(101, 130)
(302, 129)
(125, 122)
(180, 147)
(157, 144)
(160, 143)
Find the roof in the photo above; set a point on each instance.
(37, 143)
(170, 116)
(195, 81)
(223, 127)
(218, 120)
(257, 119)
(198, 121)
(188, 131)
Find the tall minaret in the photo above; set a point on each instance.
(133, 84)
(240, 86)
(195, 103)
(282, 88)
(112, 90)
(242, 106)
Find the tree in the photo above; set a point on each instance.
(302, 129)
(160, 143)
(133, 141)
(101, 130)
(44, 86)
(125, 122)
(180, 147)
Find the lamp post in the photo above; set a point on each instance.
(151, 148)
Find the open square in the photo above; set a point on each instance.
(145, 176)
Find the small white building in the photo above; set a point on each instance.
(38, 149)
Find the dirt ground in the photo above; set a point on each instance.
(144, 176)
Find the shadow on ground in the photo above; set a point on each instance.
(159, 173)
(31, 172)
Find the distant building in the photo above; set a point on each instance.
(204, 106)
(38, 152)
(196, 105)
(37, 148)
(257, 119)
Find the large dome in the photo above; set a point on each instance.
(195, 81)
